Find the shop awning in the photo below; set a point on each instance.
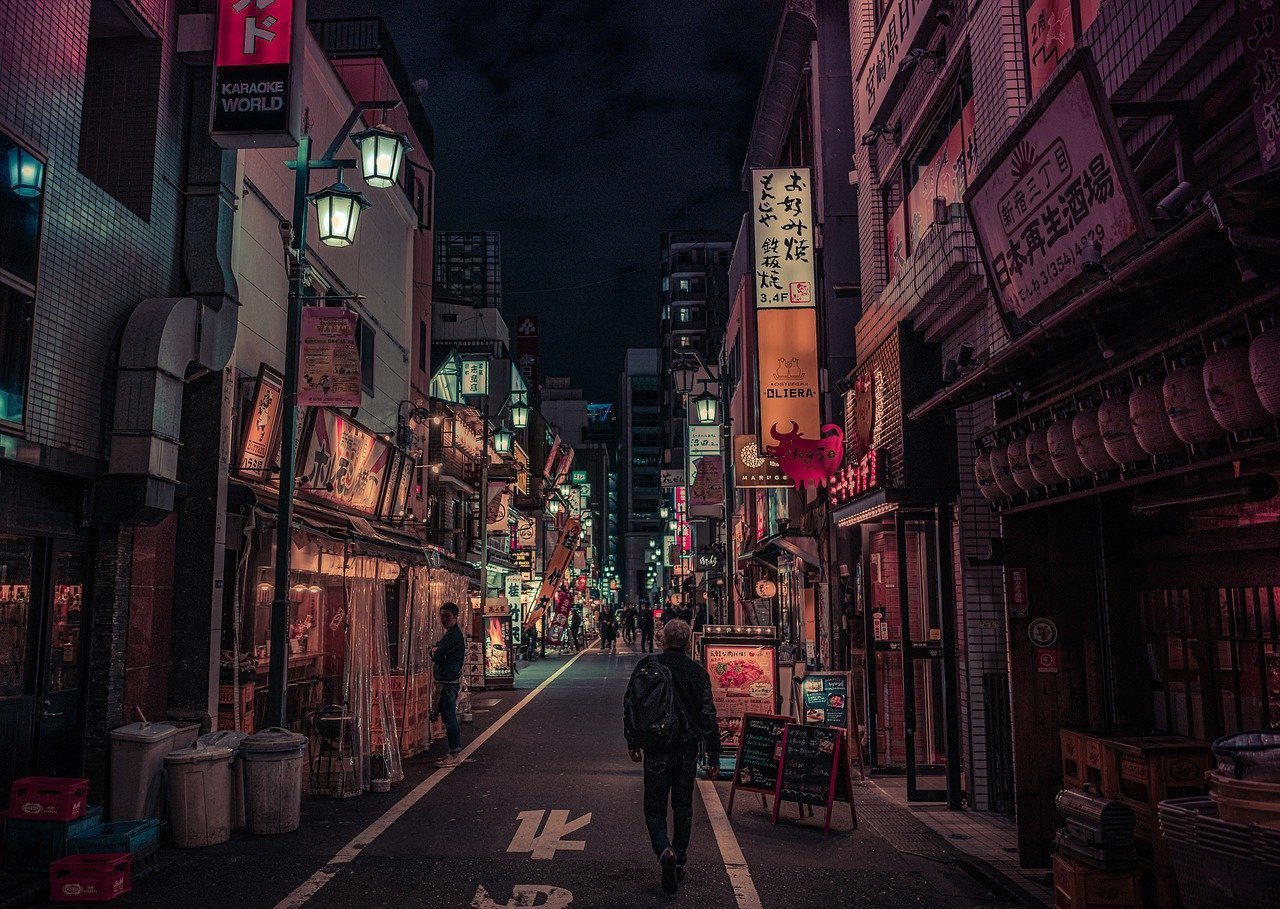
(791, 542)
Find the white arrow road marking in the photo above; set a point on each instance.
(544, 845)
(525, 895)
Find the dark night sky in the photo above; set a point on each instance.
(581, 129)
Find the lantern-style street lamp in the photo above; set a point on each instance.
(338, 210)
(519, 415)
(706, 408)
(682, 374)
(382, 150)
(664, 511)
(553, 506)
(502, 440)
(26, 173)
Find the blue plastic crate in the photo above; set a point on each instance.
(34, 845)
(117, 837)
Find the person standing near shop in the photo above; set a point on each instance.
(447, 657)
(668, 741)
(629, 623)
(645, 621)
(575, 629)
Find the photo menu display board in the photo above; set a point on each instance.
(744, 679)
(824, 699)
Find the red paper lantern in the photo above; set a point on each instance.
(1062, 450)
(986, 478)
(1150, 422)
(1089, 445)
(1229, 387)
(1188, 406)
(1116, 426)
(1040, 459)
(1003, 474)
(1264, 367)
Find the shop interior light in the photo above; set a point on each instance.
(382, 151)
(26, 173)
(706, 408)
(338, 210)
(299, 588)
(314, 588)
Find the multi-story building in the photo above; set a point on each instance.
(639, 423)
(468, 266)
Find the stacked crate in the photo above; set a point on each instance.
(410, 713)
(227, 707)
(1077, 886)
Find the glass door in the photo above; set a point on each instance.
(62, 672)
(19, 633)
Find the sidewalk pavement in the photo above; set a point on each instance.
(983, 842)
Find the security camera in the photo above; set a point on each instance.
(1091, 259)
(1177, 201)
(943, 14)
(950, 372)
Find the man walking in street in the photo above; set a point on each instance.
(645, 621)
(447, 656)
(668, 714)
(629, 623)
(575, 629)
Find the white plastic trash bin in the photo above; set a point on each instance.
(233, 739)
(273, 780)
(199, 795)
(137, 769)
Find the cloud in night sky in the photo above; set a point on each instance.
(581, 129)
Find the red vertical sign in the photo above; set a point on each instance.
(255, 83)
(527, 348)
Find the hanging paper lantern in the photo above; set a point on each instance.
(1264, 367)
(1150, 422)
(1062, 450)
(1116, 426)
(986, 478)
(1003, 474)
(1019, 466)
(1229, 388)
(1188, 406)
(1039, 459)
(1088, 438)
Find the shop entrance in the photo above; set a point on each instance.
(43, 612)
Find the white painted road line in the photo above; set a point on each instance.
(735, 863)
(311, 886)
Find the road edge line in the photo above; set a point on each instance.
(735, 862)
(312, 885)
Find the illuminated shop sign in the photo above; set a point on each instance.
(257, 73)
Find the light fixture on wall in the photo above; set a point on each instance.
(26, 173)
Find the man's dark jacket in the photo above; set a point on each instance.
(693, 698)
(448, 655)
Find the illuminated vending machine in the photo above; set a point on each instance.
(499, 651)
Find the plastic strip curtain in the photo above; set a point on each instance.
(369, 682)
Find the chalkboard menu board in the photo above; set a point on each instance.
(757, 765)
(809, 765)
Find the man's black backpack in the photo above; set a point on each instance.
(653, 713)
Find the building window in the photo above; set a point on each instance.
(364, 340)
(120, 109)
(1052, 27)
(21, 204)
(685, 340)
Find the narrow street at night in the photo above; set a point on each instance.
(548, 804)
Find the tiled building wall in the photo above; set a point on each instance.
(98, 259)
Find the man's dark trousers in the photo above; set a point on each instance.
(670, 776)
(646, 638)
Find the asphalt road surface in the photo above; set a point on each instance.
(546, 812)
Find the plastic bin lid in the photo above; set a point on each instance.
(144, 732)
(199, 753)
(226, 738)
(274, 739)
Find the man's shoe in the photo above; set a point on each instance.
(451, 760)
(670, 880)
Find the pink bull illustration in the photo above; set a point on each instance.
(808, 461)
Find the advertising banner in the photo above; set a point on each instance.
(1261, 33)
(556, 568)
(498, 515)
(257, 447)
(671, 479)
(328, 358)
(343, 463)
(743, 680)
(788, 364)
(752, 468)
(257, 73)
(707, 486)
(1060, 182)
(895, 37)
(527, 348)
(782, 234)
(497, 648)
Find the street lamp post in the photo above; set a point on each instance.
(339, 216)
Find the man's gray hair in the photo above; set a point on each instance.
(676, 634)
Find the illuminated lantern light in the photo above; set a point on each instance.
(26, 173)
(1088, 439)
(1116, 425)
(519, 415)
(502, 441)
(382, 151)
(706, 407)
(1229, 388)
(1187, 405)
(338, 210)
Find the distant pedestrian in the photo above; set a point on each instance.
(575, 629)
(447, 656)
(700, 618)
(668, 714)
(645, 622)
(629, 623)
(668, 613)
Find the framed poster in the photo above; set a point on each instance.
(744, 679)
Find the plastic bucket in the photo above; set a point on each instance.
(273, 780)
(1244, 811)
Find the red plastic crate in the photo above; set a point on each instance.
(47, 798)
(90, 878)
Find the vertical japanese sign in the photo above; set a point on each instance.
(556, 570)
(1060, 182)
(328, 358)
(1260, 25)
(1050, 35)
(787, 335)
(475, 377)
(705, 467)
(258, 73)
(527, 348)
(258, 444)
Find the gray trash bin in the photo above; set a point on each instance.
(233, 739)
(273, 780)
(137, 769)
(200, 790)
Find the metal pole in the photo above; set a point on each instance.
(484, 505)
(277, 672)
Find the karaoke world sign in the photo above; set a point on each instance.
(257, 80)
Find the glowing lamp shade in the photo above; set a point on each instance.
(502, 440)
(338, 210)
(706, 408)
(381, 154)
(519, 415)
(682, 376)
(664, 511)
(565, 489)
(26, 173)
(553, 506)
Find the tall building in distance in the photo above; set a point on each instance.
(694, 303)
(639, 423)
(468, 266)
